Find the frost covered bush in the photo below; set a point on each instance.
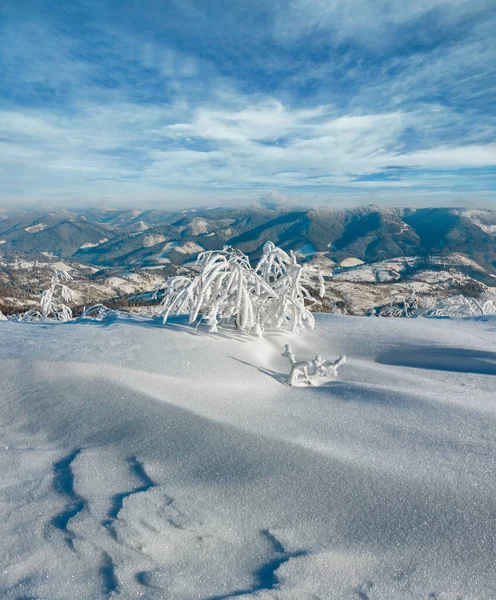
(453, 306)
(461, 306)
(98, 312)
(290, 283)
(399, 306)
(53, 299)
(28, 317)
(311, 372)
(337, 307)
(273, 294)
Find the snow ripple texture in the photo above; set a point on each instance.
(141, 461)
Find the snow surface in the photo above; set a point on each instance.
(91, 245)
(36, 228)
(141, 461)
(351, 262)
(30, 264)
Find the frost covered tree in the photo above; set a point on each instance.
(53, 299)
(291, 284)
(227, 288)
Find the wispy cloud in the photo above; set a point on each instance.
(187, 102)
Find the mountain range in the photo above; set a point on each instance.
(137, 239)
(374, 253)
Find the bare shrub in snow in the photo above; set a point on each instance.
(53, 299)
(311, 372)
(273, 294)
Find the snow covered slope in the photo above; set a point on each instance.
(141, 461)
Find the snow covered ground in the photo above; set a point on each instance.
(141, 461)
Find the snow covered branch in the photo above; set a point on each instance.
(311, 372)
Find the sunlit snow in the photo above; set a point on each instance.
(163, 462)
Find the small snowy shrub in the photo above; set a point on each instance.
(273, 294)
(299, 370)
(98, 312)
(311, 372)
(28, 317)
(462, 306)
(399, 306)
(338, 307)
(326, 368)
(453, 306)
(53, 299)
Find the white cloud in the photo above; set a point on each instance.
(242, 147)
(444, 157)
(146, 116)
(368, 23)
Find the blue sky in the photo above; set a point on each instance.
(189, 102)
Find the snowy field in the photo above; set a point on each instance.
(141, 461)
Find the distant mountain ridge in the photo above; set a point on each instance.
(136, 238)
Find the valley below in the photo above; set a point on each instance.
(368, 256)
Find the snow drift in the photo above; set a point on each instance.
(141, 461)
